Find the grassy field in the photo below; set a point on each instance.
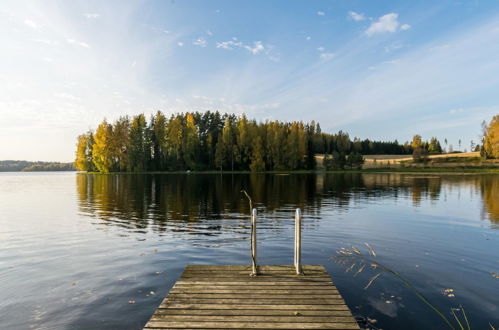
(447, 162)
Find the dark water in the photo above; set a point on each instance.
(75, 249)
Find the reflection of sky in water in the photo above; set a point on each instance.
(75, 249)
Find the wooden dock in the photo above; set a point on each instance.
(226, 297)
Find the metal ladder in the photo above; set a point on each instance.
(297, 259)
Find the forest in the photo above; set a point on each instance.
(214, 141)
(27, 166)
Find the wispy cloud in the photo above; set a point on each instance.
(91, 15)
(404, 27)
(386, 24)
(77, 43)
(180, 43)
(321, 13)
(201, 42)
(356, 16)
(256, 48)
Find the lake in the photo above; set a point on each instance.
(76, 249)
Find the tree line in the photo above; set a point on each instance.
(27, 166)
(215, 141)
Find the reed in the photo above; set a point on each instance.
(353, 257)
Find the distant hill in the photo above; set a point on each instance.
(26, 166)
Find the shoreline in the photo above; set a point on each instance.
(440, 170)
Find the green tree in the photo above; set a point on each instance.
(244, 155)
(257, 156)
(434, 146)
(355, 160)
(228, 141)
(140, 145)
(120, 143)
(343, 143)
(220, 152)
(159, 141)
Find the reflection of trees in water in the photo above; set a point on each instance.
(490, 195)
(158, 201)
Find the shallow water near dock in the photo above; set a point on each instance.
(84, 251)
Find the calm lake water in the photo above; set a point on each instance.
(75, 248)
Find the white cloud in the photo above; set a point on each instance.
(308, 38)
(201, 42)
(326, 56)
(78, 43)
(208, 32)
(180, 44)
(404, 27)
(257, 47)
(231, 44)
(321, 13)
(32, 24)
(356, 16)
(228, 45)
(386, 23)
(91, 15)
(321, 49)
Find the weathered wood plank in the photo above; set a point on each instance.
(258, 306)
(245, 267)
(226, 297)
(254, 318)
(191, 295)
(251, 312)
(254, 291)
(255, 283)
(252, 325)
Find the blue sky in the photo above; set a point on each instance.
(377, 69)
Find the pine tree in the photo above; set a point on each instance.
(220, 153)
(120, 143)
(140, 145)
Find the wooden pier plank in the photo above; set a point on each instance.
(226, 297)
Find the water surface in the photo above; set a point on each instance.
(75, 249)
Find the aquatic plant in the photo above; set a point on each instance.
(353, 257)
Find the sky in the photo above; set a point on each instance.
(382, 70)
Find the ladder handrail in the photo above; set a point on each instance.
(254, 270)
(298, 218)
(297, 256)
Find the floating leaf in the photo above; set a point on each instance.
(361, 269)
(372, 280)
(371, 250)
(354, 248)
(350, 268)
